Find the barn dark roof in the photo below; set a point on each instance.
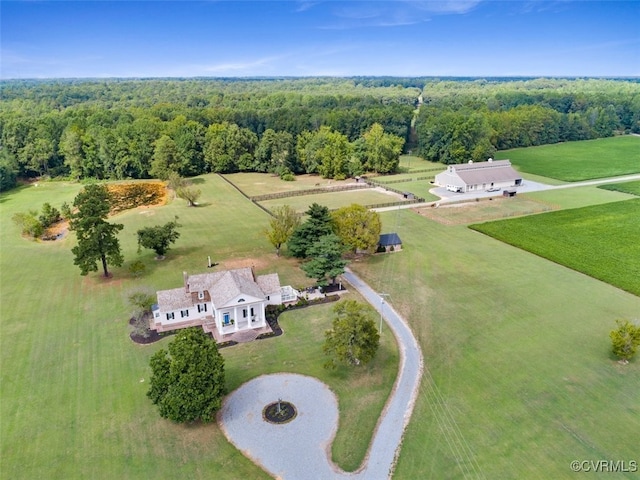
(387, 239)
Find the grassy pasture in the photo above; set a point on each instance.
(632, 188)
(518, 376)
(576, 161)
(73, 384)
(576, 197)
(600, 240)
(411, 163)
(334, 200)
(254, 184)
(471, 212)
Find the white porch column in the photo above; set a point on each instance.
(236, 320)
(263, 317)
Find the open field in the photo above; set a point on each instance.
(335, 200)
(575, 161)
(518, 376)
(600, 241)
(632, 188)
(487, 209)
(73, 384)
(411, 163)
(577, 197)
(254, 184)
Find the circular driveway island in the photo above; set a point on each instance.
(299, 449)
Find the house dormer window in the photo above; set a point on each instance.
(200, 295)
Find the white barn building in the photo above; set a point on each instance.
(492, 175)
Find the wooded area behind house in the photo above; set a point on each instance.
(117, 129)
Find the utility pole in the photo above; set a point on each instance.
(382, 295)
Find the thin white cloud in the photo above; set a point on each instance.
(358, 14)
(246, 67)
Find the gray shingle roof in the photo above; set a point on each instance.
(174, 299)
(222, 286)
(387, 239)
(486, 172)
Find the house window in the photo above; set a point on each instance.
(184, 313)
(240, 300)
(202, 307)
(200, 295)
(244, 313)
(170, 316)
(252, 314)
(267, 297)
(225, 318)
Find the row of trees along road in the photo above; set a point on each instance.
(334, 127)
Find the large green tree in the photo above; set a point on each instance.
(353, 339)
(326, 261)
(357, 227)
(159, 237)
(382, 150)
(97, 240)
(187, 379)
(318, 224)
(282, 225)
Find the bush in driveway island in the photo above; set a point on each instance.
(187, 381)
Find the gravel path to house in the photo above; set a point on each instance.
(301, 449)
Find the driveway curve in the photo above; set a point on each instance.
(301, 449)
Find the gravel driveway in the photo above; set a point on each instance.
(301, 449)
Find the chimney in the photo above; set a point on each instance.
(186, 281)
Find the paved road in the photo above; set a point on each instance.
(301, 449)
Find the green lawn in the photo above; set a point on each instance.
(575, 161)
(73, 384)
(334, 200)
(600, 240)
(253, 184)
(518, 376)
(632, 188)
(411, 163)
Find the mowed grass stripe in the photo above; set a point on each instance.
(600, 241)
(576, 161)
(632, 188)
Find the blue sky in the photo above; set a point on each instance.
(44, 39)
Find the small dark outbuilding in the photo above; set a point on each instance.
(389, 242)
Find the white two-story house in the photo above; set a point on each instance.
(228, 301)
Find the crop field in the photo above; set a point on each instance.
(333, 200)
(74, 384)
(600, 241)
(519, 378)
(576, 161)
(632, 188)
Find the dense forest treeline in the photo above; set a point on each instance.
(470, 120)
(333, 126)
